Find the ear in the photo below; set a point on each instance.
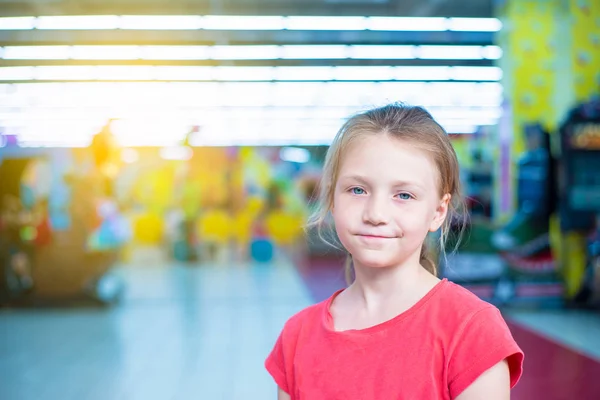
(440, 213)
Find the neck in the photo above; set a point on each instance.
(374, 287)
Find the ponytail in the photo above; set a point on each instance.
(349, 270)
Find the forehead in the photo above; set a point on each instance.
(382, 158)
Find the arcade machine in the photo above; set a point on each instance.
(530, 276)
(579, 204)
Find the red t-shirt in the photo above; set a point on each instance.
(434, 350)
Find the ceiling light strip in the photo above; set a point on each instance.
(203, 73)
(249, 22)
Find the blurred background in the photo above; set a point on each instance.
(158, 161)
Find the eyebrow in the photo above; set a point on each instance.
(365, 181)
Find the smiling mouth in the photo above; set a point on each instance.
(376, 236)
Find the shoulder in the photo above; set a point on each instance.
(460, 317)
(459, 305)
(477, 338)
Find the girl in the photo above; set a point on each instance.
(397, 332)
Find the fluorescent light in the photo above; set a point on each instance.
(382, 52)
(326, 23)
(229, 128)
(450, 52)
(422, 73)
(174, 52)
(86, 72)
(475, 24)
(407, 24)
(229, 22)
(492, 52)
(325, 52)
(294, 154)
(16, 73)
(17, 23)
(476, 73)
(459, 52)
(87, 22)
(345, 97)
(304, 73)
(168, 73)
(106, 52)
(58, 73)
(243, 73)
(167, 22)
(364, 73)
(244, 52)
(36, 52)
(136, 73)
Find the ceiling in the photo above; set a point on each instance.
(58, 86)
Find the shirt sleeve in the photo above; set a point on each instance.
(275, 364)
(484, 341)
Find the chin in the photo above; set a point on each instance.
(374, 261)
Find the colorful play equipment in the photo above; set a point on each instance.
(70, 230)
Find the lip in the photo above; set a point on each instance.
(366, 236)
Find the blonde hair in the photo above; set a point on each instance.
(410, 124)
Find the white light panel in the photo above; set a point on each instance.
(174, 52)
(450, 52)
(390, 52)
(475, 24)
(222, 73)
(229, 22)
(327, 23)
(36, 52)
(161, 22)
(17, 23)
(407, 24)
(87, 22)
(106, 52)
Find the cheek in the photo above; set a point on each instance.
(414, 218)
(343, 206)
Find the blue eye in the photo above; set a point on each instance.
(404, 196)
(357, 190)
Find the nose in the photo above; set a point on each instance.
(375, 211)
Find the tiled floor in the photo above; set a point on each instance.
(577, 330)
(203, 333)
(181, 333)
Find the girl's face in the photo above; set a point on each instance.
(386, 199)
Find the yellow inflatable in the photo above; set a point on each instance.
(215, 226)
